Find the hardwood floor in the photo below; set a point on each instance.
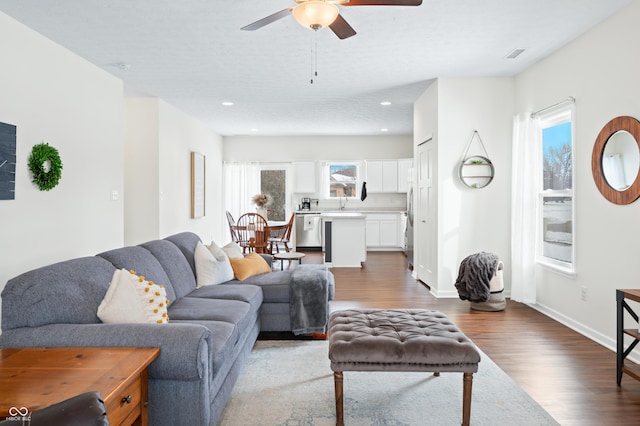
(572, 377)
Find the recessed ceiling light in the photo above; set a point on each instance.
(385, 103)
(254, 130)
(123, 66)
(384, 130)
(226, 103)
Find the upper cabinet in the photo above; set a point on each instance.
(305, 177)
(388, 175)
(405, 167)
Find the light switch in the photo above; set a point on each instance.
(115, 195)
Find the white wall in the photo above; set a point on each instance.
(473, 220)
(142, 221)
(600, 69)
(52, 95)
(292, 148)
(160, 140)
(179, 135)
(469, 220)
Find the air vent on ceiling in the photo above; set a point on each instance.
(515, 53)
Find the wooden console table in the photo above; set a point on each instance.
(38, 377)
(632, 370)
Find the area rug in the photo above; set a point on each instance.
(291, 383)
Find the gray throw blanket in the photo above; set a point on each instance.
(308, 299)
(474, 276)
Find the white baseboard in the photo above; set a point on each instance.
(453, 294)
(590, 333)
(450, 294)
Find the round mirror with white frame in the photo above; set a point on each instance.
(615, 161)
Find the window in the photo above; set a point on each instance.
(343, 179)
(555, 194)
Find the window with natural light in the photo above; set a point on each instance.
(343, 179)
(555, 195)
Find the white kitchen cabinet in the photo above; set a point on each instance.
(404, 168)
(388, 175)
(305, 180)
(345, 236)
(374, 176)
(384, 231)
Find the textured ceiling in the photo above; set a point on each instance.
(192, 54)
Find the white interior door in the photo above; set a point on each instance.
(426, 225)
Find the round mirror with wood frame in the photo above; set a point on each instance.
(630, 193)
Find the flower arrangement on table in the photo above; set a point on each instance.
(261, 200)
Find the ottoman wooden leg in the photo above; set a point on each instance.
(337, 380)
(466, 398)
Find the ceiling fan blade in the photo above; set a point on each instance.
(382, 3)
(341, 28)
(266, 21)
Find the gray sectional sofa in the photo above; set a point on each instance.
(203, 347)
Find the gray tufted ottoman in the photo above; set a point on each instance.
(399, 340)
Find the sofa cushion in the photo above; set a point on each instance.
(275, 285)
(198, 308)
(249, 266)
(245, 293)
(175, 264)
(186, 243)
(233, 250)
(212, 265)
(143, 262)
(132, 299)
(235, 312)
(66, 292)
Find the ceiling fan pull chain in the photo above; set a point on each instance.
(314, 57)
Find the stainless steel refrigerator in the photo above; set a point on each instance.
(408, 230)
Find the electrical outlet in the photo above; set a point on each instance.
(583, 293)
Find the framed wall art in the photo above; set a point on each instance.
(7, 161)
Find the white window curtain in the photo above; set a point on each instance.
(523, 208)
(241, 181)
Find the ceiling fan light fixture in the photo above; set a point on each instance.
(315, 14)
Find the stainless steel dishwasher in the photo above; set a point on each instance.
(309, 231)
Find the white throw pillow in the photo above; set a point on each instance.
(212, 265)
(233, 250)
(132, 299)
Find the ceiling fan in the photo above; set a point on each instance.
(316, 14)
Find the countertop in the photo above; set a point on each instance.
(364, 211)
(343, 215)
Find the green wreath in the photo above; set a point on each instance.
(40, 154)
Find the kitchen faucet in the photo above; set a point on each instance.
(342, 206)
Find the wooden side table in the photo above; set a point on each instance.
(621, 353)
(38, 377)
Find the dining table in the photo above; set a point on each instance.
(260, 241)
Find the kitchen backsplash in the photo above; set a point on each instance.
(395, 201)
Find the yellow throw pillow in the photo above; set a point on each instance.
(249, 266)
(132, 299)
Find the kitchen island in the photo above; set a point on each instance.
(345, 243)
